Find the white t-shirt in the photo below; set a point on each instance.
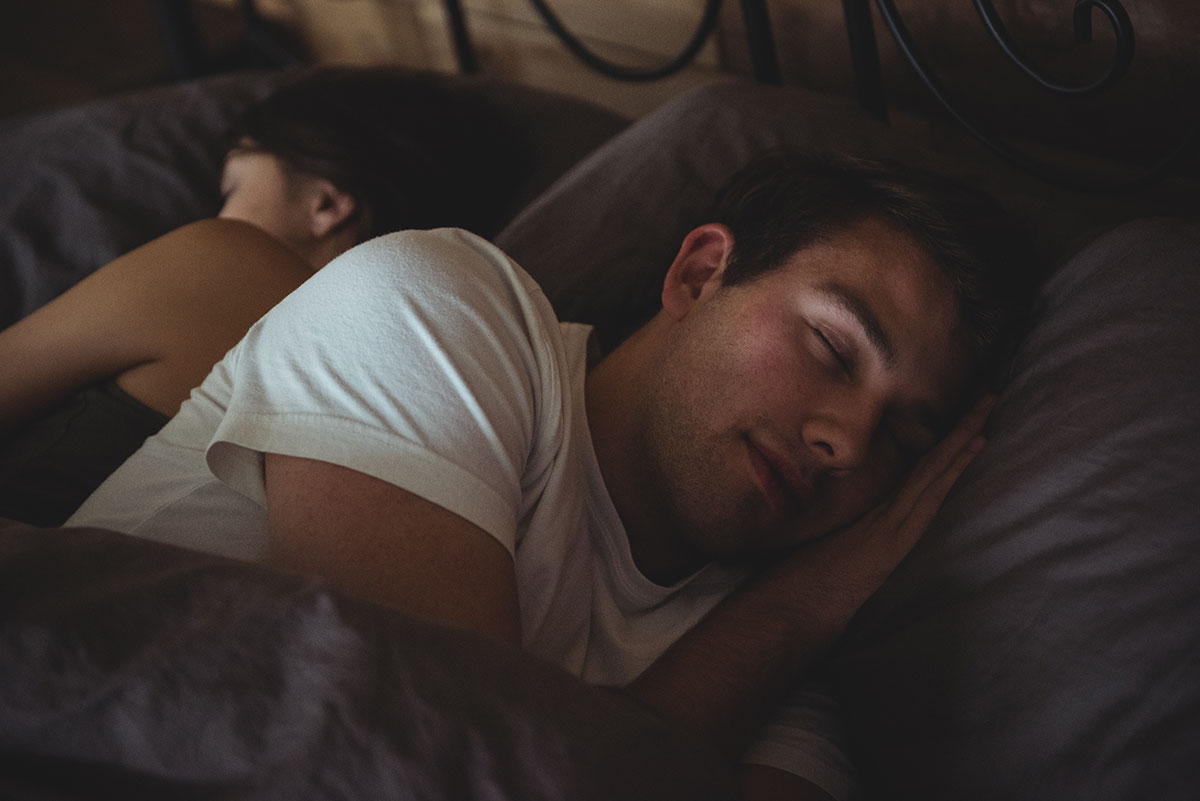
(429, 360)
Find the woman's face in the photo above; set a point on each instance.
(259, 188)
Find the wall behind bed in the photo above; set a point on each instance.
(60, 52)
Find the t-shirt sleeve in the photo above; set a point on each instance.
(419, 358)
(806, 737)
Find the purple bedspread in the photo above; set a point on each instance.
(130, 669)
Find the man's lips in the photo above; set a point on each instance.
(784, 484)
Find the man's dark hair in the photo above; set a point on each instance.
(787, 200)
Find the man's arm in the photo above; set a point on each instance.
(381, 543)
(724, 675)
(384, 544)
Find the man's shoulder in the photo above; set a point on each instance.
(436, 269)
(434, 252)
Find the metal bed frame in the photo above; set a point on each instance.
(187, 60)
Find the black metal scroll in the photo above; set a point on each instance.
(868, 77)
(708, 23)
(760, 42)
(1122, 29)
(463, 51)
(763, 60)
(184, 52)
(870, 84)
(259, 35)
(188, 60)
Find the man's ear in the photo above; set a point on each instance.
(698, 268)
(329, 208)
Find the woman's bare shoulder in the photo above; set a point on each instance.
(201, 287)
(208, 253)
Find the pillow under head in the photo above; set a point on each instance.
(1043, 639)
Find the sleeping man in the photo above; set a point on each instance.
(694, 517)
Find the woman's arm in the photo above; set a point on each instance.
(158, 318)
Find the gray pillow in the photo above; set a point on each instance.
(84, 184)
(600, 239)
(1043, 641)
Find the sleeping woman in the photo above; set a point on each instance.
(321, 164)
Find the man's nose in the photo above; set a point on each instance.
(840, 439)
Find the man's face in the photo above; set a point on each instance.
(788, 406)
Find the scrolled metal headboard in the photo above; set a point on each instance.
(704, 30)
(868, 76)
(1117, 17)
(870, 83)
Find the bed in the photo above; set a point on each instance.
(1041, 642)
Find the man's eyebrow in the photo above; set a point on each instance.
(854, 305)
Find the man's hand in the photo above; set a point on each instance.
(722, 677)
(855, 561)
(384, 544)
